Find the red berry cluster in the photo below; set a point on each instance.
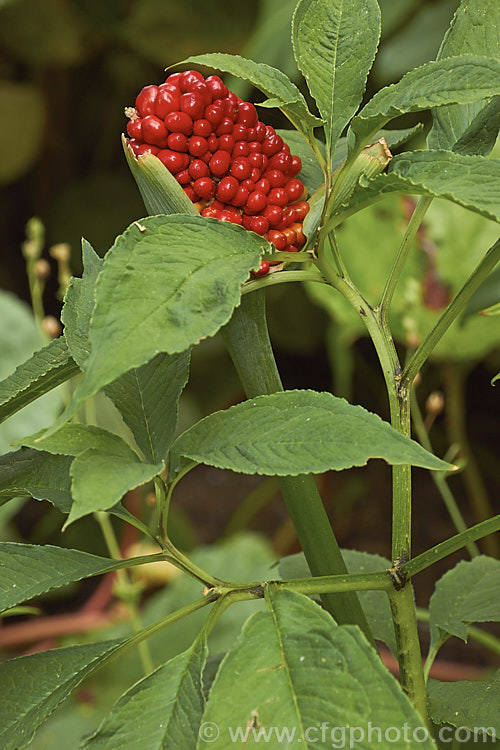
(230, 165)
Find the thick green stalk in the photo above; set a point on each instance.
(248, 343)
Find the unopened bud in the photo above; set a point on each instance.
(435, 403)
(51, 326)
(35, 236)
(60, 252)
(42, 269)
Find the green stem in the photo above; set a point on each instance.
(283, 277)
(449, 546)
(402, 254)
(247, 339)
(451, 313)
(128, 590)
(438, 478)
(409, 654)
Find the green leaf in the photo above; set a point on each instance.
(33, 686)
(43, 371)
(375, 604)
(38, 474)
(334, 43)
(272, 82)
(475, 29)
(147, 398)
(161, 711)
(457, 80)
(74, 438)
(487, 295)
(100, 480)
(471, 181)
(159, 189)
(29, 570)
(300, 675)
(311, 173)
(296, 432)
(166, 283)
(468, 593)
(79, 305)
(495, 378)
(491, 310)
(466, 704)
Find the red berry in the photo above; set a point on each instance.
(166, 102)
(275, 177)
(177, 142)
(301, 210)
(145, 148)
(254, 146)
(207, 156)
(225, 126)
(248, 184)
(241, 149)
(296, 166)
(145, 101)
(204, 187)
(241, 168)
(246, 221)
(210, 212)
(134, 128)
(272, 145)
(247, 114)
(278, 196)
(197, 145)
(173, 79)
(190, 193)
(216, 86)
(259, 224)
(274, 214)
(198, 169)
(255, 174)
(277, 238)
(193, 104)
(202, 127)
(240, 132)
(256, 202)
(173, 160)
(263, 268)
(220, 163)
(255, 160)
(179, 122)
(188, 79)
(154, 131)
(294, 188)
(183, 177)
(290, 234)
(241, 196)
(202, 88)
(281, 160)
(213, 143)
(300, 238)
(260, 131)
(226, 143)
(263, 185)
(227, 189)
(232, 216)
(214, 114)
(230, 108)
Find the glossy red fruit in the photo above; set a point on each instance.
(197, 145)
(241, 197)
(210, 212)
(226, 143)
(277, 238)
(214, 114)
(213, 143)
(263, 268)
(225, 126)
(166, 102)
(256, 160)
(204, 91)
(145, 101)
(254, 146)
(256, 202)
(202, 127)
(275, 177)
(278, 197)
(295, 189)
(248, 184)
(179, 122)
(198, 168)
(301, 210)
(193, 104)
(220, 163)
(291, 235)
(247, 114)
(240, 132)
(260, 131)
(190, 193)
(188, 79)
(154, 131)
(240, 149)
(178, 142)
(272, 145)
(295, 166)
(263, 186)
(274, 214)
(227, 189)
(281, 161)
(173, 160)
(300, 238)
(183, 177)
(259, 224)
(241, 168)
(145, 148)
(231, 216)
(134, 128)
(204, 187)
(173, 79)
(216, 86)
(230, 108)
